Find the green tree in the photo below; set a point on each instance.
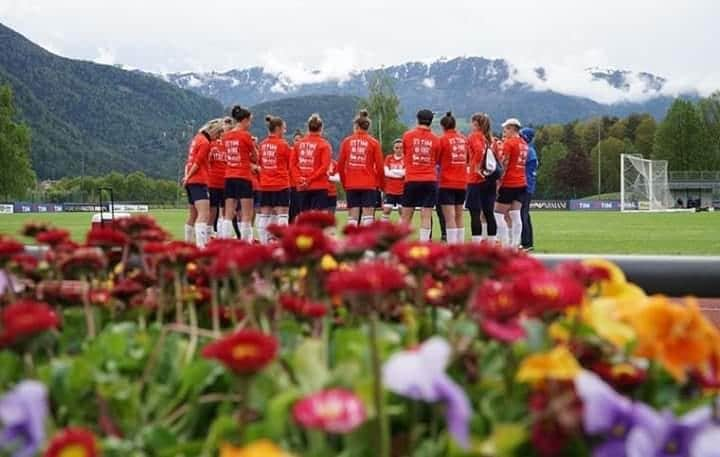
(549, 157)
(682, 139)
(710, 114)
(384, 107)
(573, 175)
(17, 177)
(610, 151)
(645, 136)
(619, 129)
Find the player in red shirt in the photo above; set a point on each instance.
(241, 153)
(482, 179)
(274, 177)
(421, 149)
(333, 180)
(195, 182)
(216, 177)
(394, 179)
(294, 206)
(361, 169)
(514, 183)
(309, 164)
(453, 179)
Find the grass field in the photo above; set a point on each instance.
(555, 231)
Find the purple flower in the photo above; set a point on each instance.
(22, 413)
(420, 374)
(706, 443)
(634, 429)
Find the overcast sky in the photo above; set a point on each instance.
(677, 39)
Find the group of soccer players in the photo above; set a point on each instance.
(234, 180)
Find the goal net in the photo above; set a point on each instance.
(644, 184)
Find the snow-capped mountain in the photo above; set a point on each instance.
(464, 85)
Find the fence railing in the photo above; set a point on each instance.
(682, 176)
(675, 276)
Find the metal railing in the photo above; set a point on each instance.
(693, 176)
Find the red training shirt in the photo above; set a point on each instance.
(239, 147)
(198, 155)
(274, 160)
(477, 147)
(310, 160)
(515, 152)
(332, 186)
(394, 186)
(216, 165)
(421, 148)
(361, 162)
(453, 160)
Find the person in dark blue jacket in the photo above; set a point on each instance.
(531, 166)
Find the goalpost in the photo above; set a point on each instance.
(644, 184)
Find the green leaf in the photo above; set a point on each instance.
(10, 369)
(309, 366)
(278, 413)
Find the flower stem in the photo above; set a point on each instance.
(215, 307)
(178, 298)
(383, 438)
(193, 333)
(87, 309)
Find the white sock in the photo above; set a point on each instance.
(246, 231)
(263, 220)
(385, 217)
(451, 235)
(226, 229)
(189, 233)
(424, 234)
(367, 220)
(484, 229)
(516, 230)
(282, 219)
(352, 222)
(492, 239)
(201, 233)
(460, 235)
(208, 232)
(477, 238)
(502, 229)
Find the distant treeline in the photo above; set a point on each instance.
(135, 187)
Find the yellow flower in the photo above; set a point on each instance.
(558, 364)
(262, 448)
(304, 242)
(605, 317)
(678, 336)
(559, 332)
(617, 285)
(328, 263)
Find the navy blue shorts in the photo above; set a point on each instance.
(238, 188)
(312, 199)
(480, 193)
(507, 195)
(361, 198)
(447, 196)
(256, 198)
(422, 194)
(393, 200)
(217, 197)
(275, 198)
(332, 203)
(196, 192)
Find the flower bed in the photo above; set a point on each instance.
(370, 345)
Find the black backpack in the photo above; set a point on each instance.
(491, 175)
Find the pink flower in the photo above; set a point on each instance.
(333, 411)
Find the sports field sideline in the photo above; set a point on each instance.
(555, 231)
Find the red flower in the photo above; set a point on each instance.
(148, 300)
(73, 441)
(106, 237)
(53, 237)
(548, 438)
(304, 242)
(496, 309)
(546, 291)
(333, 411)
(319, 219)
(518, 265)
(302, 306)
(26, 318)
(26, 264)
(378, 236)
(586, 274)
(127, 288)
(135, 224)
(154, 234)
(226, 313)
(100, 297)
(421, 255)
(245, 351)
(368, 278)
(478, 255)
(244, 258)
(174, 253)
(33, 228)
(63, 291)
(9, 248)
(83, 261)
(621, 376)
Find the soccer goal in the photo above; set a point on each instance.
(644, 184)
